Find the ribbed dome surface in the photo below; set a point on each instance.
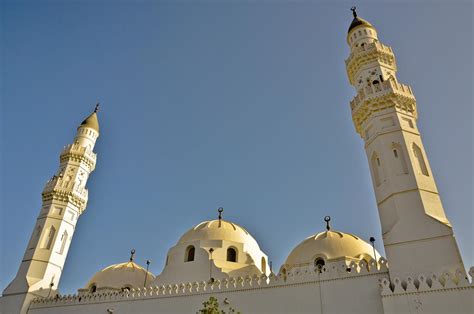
(330, 245)
(219, 230)
(121, 275)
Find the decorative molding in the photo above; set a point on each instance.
(297, 276)
(427, 284)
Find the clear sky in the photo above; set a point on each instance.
(242, 104)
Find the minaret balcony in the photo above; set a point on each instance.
(62, 187)
(367, 53)
(380, 90)
(388, 94)
(80, 152)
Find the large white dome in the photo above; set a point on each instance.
(219, 230)
(215, 248)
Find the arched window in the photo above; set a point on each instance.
(125, 289)
(420, 160)
(189, 257)
(48, 241)
(64, 238)
(400, 162)
(376, 169)
(92, 288)
(231, 255)
(376, 85)
(319, 263)
(264, 265)
(35, 237)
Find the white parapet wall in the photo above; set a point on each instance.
(443, 293)
(336, 289)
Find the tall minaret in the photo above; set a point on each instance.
(417, 236)
(64, 200)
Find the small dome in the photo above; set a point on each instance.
(118, 276)
(218, 230)
(357, 21)
(329, 245)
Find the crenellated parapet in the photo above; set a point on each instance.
(363, 55)
(300, 276)
(78, 153)
(57, 188)
(427, 283)
(384, 95)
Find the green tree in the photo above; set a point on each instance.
(211, 306)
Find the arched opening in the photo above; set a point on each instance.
(231, 255)
(420, 160)
(189, 256)
(35, 237)
(48, 241)
(125, 289)
(319, 263)
(264, 265)
(376, 169)
(376, 85)
(92, 288)
(64, 238)
(400, 162)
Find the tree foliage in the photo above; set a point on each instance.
(211, 306)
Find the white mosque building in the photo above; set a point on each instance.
(329, 272)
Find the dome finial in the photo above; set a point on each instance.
(327, 219)
(354, 13)
(132, 255)
(220, 210)
(96, 107)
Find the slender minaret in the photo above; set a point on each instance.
(417, 236)
(64, 200)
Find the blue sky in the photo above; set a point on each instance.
(240, 104)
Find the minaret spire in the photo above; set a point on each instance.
(417, 236)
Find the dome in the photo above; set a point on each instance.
(329, 245)
(118, 276)
(216, 248)
(218, 230)
(357, 21)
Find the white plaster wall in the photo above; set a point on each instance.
(354, 294)
(435, 302)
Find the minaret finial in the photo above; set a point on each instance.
(327, 219)
(353, 9)
(97, 107)
(132, 255)
(220, 210)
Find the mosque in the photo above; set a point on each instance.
(329, 272)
